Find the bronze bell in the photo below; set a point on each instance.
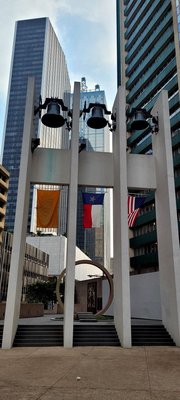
(97, 120)
(139, 120)
(53, 118)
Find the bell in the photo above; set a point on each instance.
(139, 120)
(53, 118)
(97, 120)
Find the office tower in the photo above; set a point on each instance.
(36, 52)
(93, 240)
(150, 62)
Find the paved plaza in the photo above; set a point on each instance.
(93, 373)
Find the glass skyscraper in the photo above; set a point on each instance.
(149, 62)
(178, 17)
(93, 240)
(36, 52)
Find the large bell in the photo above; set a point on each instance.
(139, 120)
(53, 118)
(97, 120)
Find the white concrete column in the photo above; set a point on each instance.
(122, 317)
(166, 218)
(21, 218)
(72, 218)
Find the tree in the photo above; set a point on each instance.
(42, 292)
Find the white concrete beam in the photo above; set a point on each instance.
(52, 166)
(96, 169)
(141, 173)
(122, 316)
(166, 218)
(71, 226)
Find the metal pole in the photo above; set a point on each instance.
(166, 221)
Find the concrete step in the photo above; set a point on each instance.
(151, 335)
(89, 335)
(86, 317)
(95, 335)
(39, 335)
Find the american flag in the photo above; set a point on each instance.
(134, 205)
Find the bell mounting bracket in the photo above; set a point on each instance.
(92, 105)
(45, 104)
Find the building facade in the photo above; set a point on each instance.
(93, 241)
(35, 269)
(150, 62)
(36, 52)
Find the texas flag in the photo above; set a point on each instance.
(92, 207)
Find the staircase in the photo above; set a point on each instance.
(86, 317)
(39, 336)
(95, 335)
(150, 335)
(87, 334)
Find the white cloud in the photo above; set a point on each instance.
(101, 13)
(86, 31)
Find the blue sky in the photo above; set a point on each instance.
(86, 30)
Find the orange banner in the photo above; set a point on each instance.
(47, 208)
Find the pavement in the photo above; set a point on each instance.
(91, 373)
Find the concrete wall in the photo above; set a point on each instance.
(27, 310)
(145, 296)
(56, 247)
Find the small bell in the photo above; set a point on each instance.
(97, 120)
(139, 120)
(53, 118)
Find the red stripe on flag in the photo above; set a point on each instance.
(132, 217)
(87, 219)
(131, 204)
(134, 206)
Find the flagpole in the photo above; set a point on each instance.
(85, 241)
(58, 228)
